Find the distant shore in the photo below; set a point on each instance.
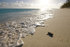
(66, 5)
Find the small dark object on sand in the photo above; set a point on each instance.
(20, 45)
(50, 34)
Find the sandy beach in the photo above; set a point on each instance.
(59, 25)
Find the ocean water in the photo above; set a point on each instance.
(24, 20)
(23, 14)
(30, 17)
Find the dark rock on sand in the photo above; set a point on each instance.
(50, 34)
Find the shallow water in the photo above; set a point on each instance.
(30, 17)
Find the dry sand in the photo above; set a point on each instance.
(59, 25)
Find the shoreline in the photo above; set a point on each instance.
(59, 25)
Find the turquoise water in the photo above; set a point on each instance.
(27, 16)
(15, 10)
(15, 14)
(22, 14)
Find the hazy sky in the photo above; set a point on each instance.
(30, 3)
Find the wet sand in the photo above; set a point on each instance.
(59, 25)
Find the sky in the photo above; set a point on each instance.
(31, 3)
